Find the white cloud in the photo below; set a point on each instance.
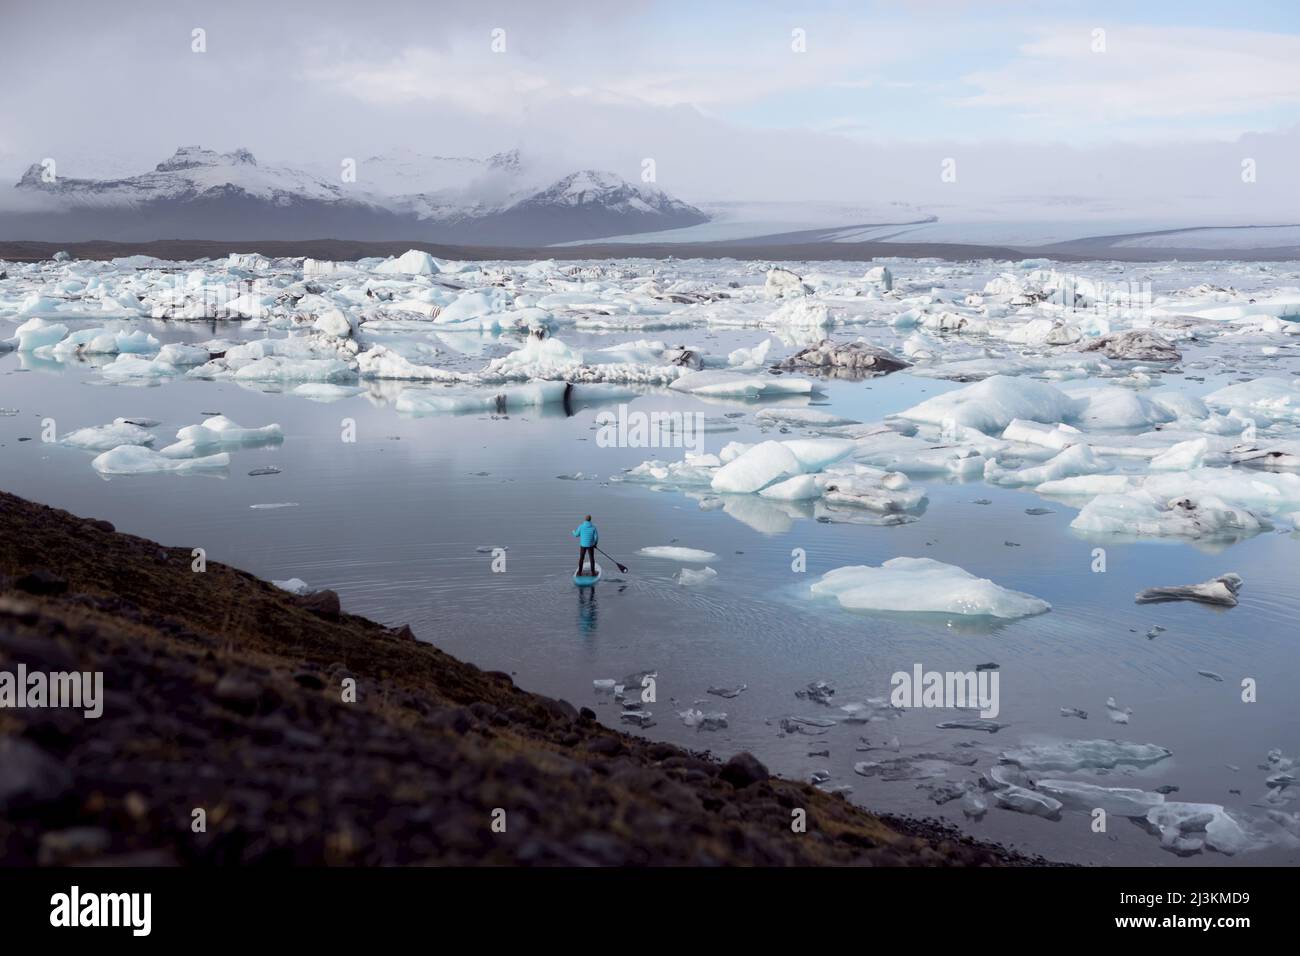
(479, 82)
(1145, 74)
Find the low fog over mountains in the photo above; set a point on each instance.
(199, 193)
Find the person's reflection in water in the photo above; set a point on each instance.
(587, 610)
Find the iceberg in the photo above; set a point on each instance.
(923, 585)
(993, 404)
(38, 333)
(410, 263)
(106, 437)
(1271, 397)
(1142, 512)
(764, 464)
(1073, 461)
(220, 430)
(137, 460)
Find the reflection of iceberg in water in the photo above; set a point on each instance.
(587, 609)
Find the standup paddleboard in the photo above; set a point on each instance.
(585, 580)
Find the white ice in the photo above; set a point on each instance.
(137, 460)
(923, 585)
(671, 553)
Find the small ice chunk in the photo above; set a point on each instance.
(293, 586)
(1119, 715)
(973, 804)
(691, 577)
(820, 691)
(694, 717)
(1221, 591)
(801, 416)
(971, 723)
(1028, 801)
(687, 555)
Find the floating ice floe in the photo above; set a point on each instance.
(105, 437)
(692, 577)
(1075, 755)
(1270, 397)
(1136, 345)
(324, 391)
(1118, 715)
(700, 720)
(647, 363)
(128, 366)
(220, 430)
(38, 333)
(102, 341)
(1220, 591)
(848, 358)
(751, 468)
(137, 460)
(801, 416)
(670, 553)
(1028, 801)
(414, 401)
(1119, 801)
(750, 359)
(1187, 828)
(923, 585)
(384, 363)
(991, 405)
(727, 384)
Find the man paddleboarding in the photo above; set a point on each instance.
(588, 537)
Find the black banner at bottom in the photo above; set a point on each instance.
(209, 905)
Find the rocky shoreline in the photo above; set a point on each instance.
(241, 724)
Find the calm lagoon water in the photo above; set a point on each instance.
(394, 522)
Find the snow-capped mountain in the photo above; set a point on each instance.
(202, 194)
(592, 203)
(189, 173)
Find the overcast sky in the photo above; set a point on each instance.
(1155, 103)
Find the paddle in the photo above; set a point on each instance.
(622, 568)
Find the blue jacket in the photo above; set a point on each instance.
(586, 534)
